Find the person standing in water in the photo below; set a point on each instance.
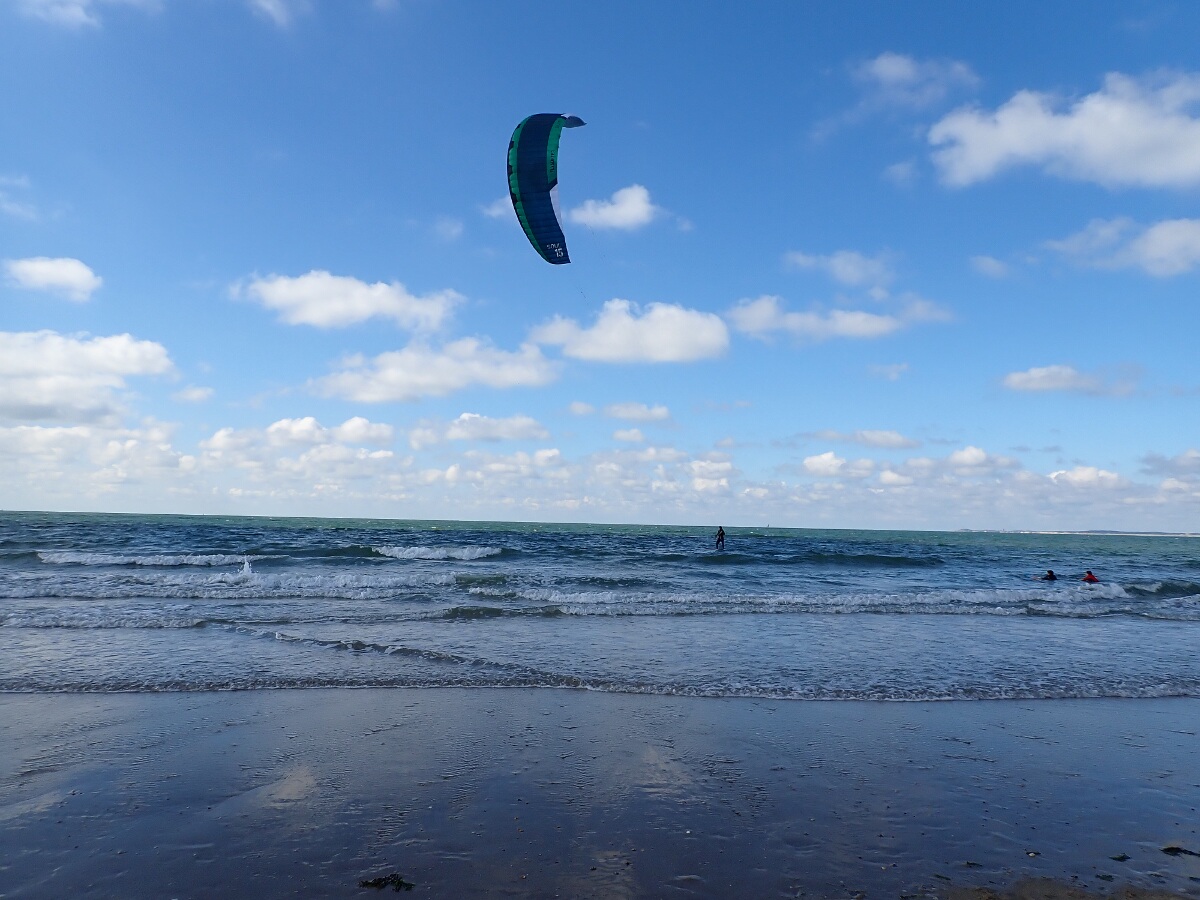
(1049, 576)
(1090, 578)
(720, 538)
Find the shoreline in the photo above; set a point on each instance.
(542, 793)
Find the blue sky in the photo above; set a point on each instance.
(922, 265)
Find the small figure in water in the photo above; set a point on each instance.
(1090, 578)
(1049, 576)
(720, 538)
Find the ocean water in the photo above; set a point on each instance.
(103, 603)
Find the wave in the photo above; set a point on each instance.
(438, 553)
(496, 612)
(116, 684)
(85, 558)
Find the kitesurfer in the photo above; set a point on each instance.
(720, 538)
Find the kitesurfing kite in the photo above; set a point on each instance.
(533, 182)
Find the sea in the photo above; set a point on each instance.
(115, 603)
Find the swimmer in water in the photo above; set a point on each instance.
(1089, 578)
(1049, 576)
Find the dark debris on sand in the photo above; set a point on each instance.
(1050, 889)
(395, 881)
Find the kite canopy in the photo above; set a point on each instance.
(533, 182)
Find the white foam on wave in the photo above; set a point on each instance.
(82, 558)
(437, 553)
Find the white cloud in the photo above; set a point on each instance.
(449, 228)
(1167, 248)
(1132, 131)
(1184, 466)
(475, 427)
(1086, 477)
(499, 208)
(76, 13)
(1164, 249)
(47, 376)
(663, 333)
(629, 208)
(420, 371)
(826, 465)
(631, 435)
(901, 174)
(892, 440)
(637, 412)
(67, 277)
(193, 394)
(764, 315)
(1068, 379)
(9, 205)
(989, 266)
(280, 12)
(579, 408)
(848, 267)
(890, 372)
(893, 79)
(335, 301)
(894, 479)
(308, 431)
(1051, 378)
(968, 457)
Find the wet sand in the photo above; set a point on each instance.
(549, 793)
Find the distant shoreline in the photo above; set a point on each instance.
(527, 523)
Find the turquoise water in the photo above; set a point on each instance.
(172, 603)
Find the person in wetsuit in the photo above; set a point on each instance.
(1049, 576)
(720, 538)
(1090, 578)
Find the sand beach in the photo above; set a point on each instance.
(554, 793)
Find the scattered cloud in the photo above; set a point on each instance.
(280, 12)
(64, 276)
(10, 205)
(894, 83)
(1185, 466)
(500, 208)
(628, 209)
(336, 301)
(1164, 249)
(637, 412)
(1087, 477)
(891, 440)
(193, 394)
(448, 228)
(308, 430)
(630, 435)
(901, 174)
(849, 268)
(1064, 378)
(422, 371)
(475, 427)
(765, 315)
(889, 372)
(989, 266)
(896, 80)
(46, 376)
(76, 13)
(1131, 132)
(664, 332)
(579, 408)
